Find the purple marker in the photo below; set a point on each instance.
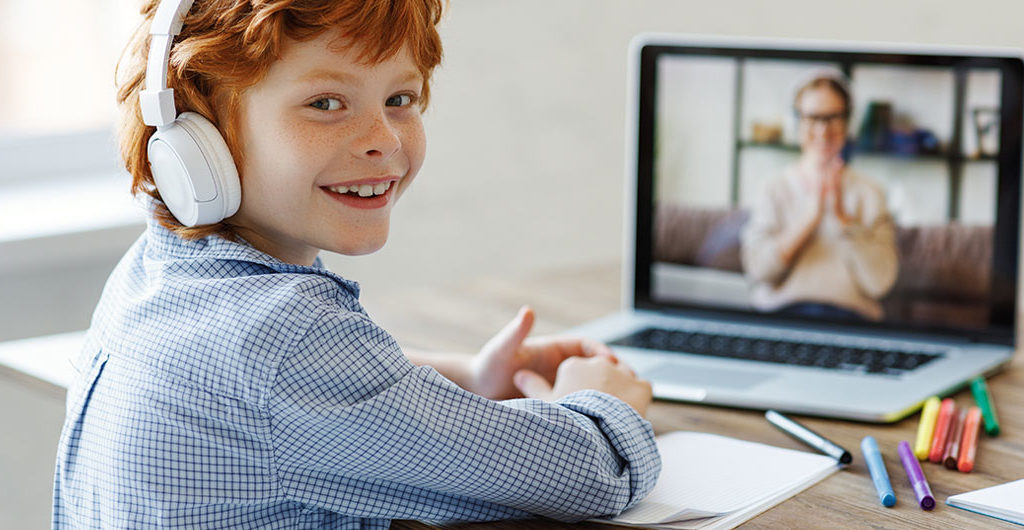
(916, 476)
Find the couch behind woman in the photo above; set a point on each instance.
(944, 275)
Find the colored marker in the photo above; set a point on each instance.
(955, 434)
(879, 475)
(916, 476)
(926, 428)
(969, 443)
(808, 437)
(941, 437)
(988, 409)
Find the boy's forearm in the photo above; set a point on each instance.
(454, 366)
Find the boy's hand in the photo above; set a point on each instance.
(509, 352)
(597, 373)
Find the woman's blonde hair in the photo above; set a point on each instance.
(226, 46)
(825, 78)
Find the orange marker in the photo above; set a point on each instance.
(969, 444)
(941, 437)
(956, 432)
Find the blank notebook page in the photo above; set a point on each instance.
(708, 475)
(1005, 501)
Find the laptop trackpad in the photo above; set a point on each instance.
(703, 377)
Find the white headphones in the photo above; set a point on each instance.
(190, 161)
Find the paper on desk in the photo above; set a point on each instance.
(1004, 501)
(709, 480)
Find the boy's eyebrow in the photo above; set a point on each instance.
(329, 75)
(347, 78)
(411, 75)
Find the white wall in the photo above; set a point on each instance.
(694, 138)
(49, 52)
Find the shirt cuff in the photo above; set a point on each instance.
(770, 263)
(849, 237)
(853, 230)
(628, 433)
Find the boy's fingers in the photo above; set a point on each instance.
(594, 348)
(575, 347)
(520, 326)
(532, 384)
(515, 331)
(626, 369)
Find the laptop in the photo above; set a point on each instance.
(907, 289)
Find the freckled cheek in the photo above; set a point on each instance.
(265, 142)
(414, 143)
(301, 151)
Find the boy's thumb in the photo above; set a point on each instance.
(514, 333)
(519, 328)
(532, 384)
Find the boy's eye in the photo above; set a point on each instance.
(399, 100)
(326, 104)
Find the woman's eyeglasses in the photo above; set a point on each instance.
(832, 120)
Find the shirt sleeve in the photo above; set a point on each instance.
(357, 429)
(868, 246)
(762, 261)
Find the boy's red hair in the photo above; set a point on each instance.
(226, 46)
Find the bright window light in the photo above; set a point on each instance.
(58, 59)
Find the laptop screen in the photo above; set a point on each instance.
(859, 187)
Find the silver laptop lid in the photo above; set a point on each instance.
(860, 187)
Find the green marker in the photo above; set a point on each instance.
(988, 409)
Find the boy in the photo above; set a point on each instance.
(229, 380)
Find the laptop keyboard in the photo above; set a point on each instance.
(831, 356)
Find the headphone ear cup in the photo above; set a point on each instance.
(216, 151)
(194, 171)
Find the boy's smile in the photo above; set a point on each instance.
(367, 194)
(328, 144)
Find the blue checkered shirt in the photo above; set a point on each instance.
(221, 388)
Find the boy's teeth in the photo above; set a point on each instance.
(364, 190)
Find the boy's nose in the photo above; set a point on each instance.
(378, 139)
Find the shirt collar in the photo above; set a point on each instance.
(215, 247)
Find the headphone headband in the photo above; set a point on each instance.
(157, 101)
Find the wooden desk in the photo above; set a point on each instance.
(463, 317)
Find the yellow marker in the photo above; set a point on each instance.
(926, 428)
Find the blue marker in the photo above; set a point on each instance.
(879, 475)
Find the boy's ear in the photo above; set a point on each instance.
(194, 171)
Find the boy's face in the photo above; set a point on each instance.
(319, 125)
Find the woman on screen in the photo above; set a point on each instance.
(820, 241)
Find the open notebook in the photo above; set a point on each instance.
(1005, 501)
(711, 481)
